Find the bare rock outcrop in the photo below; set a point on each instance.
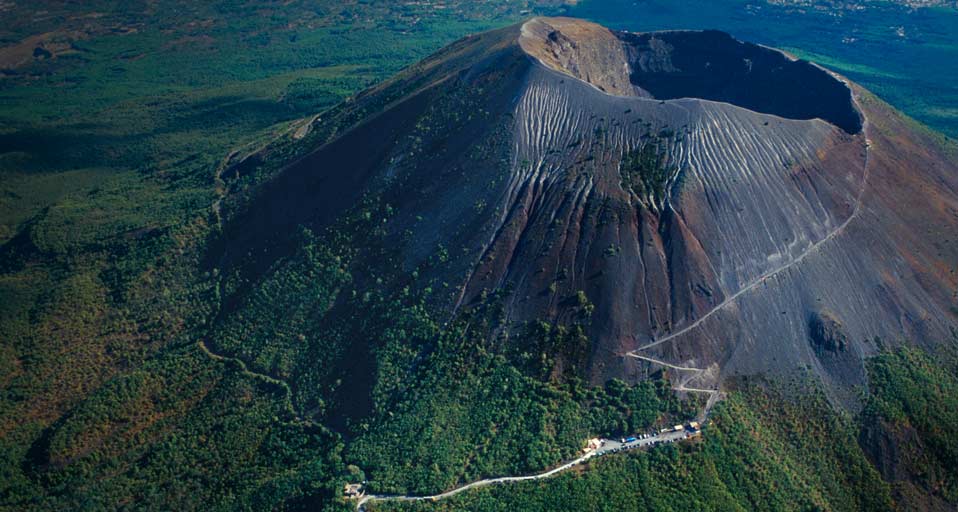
(586, 51)
(827, 334)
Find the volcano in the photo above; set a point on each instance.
(727, 209)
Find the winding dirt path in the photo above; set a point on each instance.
(663, 363)
(221, 190)
(609, 446)
(473, 485)
(244, 369)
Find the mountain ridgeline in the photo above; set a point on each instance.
(716, 204)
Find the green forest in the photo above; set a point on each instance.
(767, 449)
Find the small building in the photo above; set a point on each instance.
(694, 425)
(678, 428)
(593, 444)
(353, 490)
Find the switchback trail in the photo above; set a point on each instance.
(713, 394)
(663, 363)
(221, 190)
(244, 369)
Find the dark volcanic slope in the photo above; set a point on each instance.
(785, 224)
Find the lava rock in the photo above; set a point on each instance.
(827, 334)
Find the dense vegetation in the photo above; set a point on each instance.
(762, 451)
(473, 415)
(157, 439)
(910, 426)
(768, 450)
(646, 169)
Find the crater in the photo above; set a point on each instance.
(709, 65)
(712, 65)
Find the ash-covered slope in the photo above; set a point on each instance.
(723, 206)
